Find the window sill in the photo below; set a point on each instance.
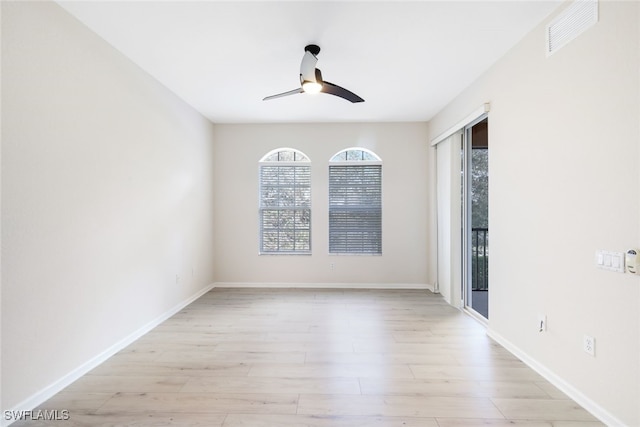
(284, 253)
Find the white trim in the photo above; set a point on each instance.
(575, 394)
(484, 109)
(300, 285)
(49, 391)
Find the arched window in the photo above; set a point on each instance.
(355, 202)
(285, 202)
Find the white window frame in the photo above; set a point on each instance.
(296, 209)
(350, 246)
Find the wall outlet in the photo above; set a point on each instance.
(332, 266)
(589, 345)
(542, 322)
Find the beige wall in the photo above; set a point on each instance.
(106, 197)
(404, 152)
(564, 139)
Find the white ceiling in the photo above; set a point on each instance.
(407, 59)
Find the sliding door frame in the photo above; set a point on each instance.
(467, 239)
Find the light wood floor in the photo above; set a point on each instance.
(316, 358)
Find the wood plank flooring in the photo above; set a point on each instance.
(316, 358)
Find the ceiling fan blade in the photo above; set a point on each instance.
(308, 67)
(336, 90)
(280, 95)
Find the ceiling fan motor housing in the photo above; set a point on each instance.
(312, 48)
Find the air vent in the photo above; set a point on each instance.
(572, 22)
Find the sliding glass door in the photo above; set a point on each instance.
(475, 223)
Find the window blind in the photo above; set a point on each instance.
(285, 209)
(355, 209)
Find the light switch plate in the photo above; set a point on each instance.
(612, 261)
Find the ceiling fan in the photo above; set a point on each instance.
(311, 79)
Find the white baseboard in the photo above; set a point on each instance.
(324, 285)
(575, 394)
(48, 392)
